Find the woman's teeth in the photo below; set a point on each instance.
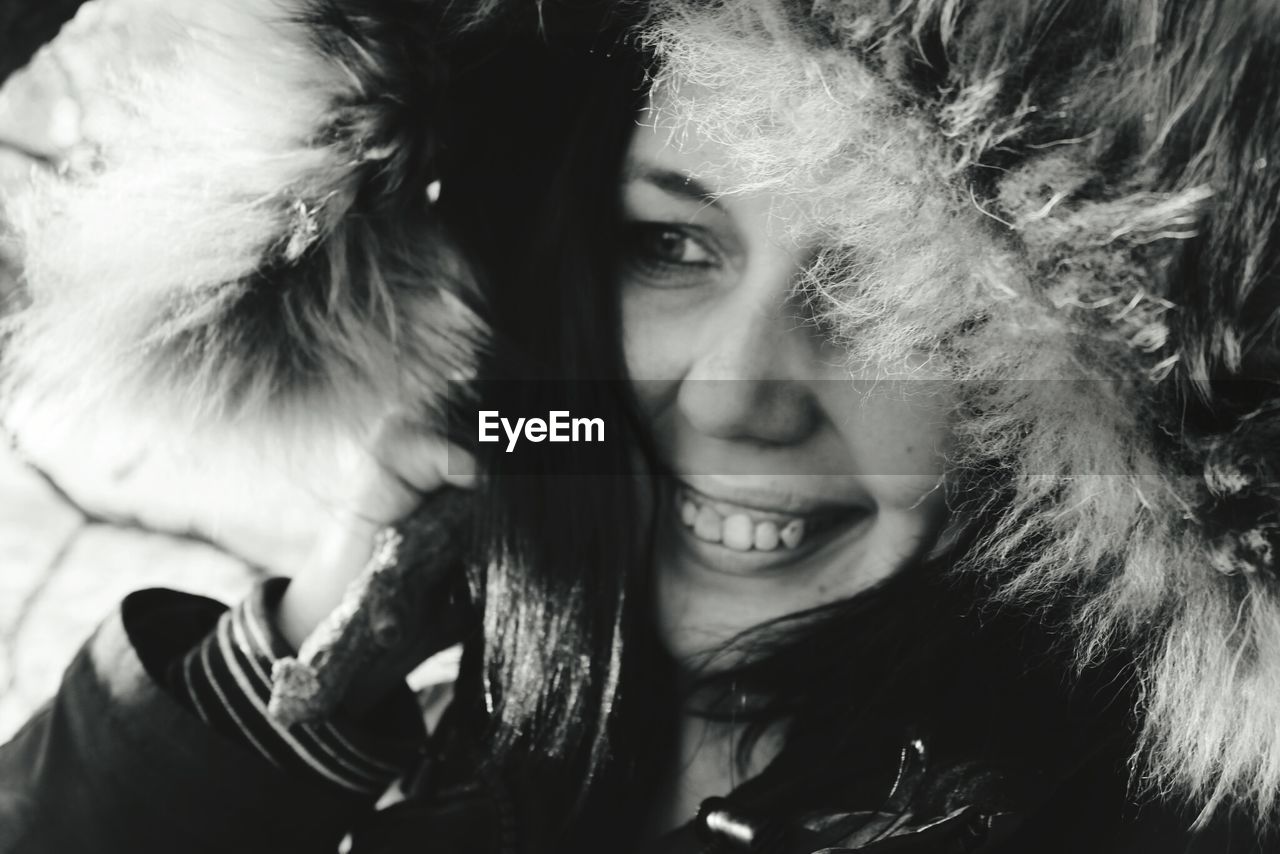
(738, 531)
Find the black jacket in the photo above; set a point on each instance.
(116, 765)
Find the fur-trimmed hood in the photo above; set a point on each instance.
(1094, 263)
(1092, 260)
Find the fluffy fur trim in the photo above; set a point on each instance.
(253, 241)
(1070, 208)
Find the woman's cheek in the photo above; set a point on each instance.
(655, 346)
(897, 434)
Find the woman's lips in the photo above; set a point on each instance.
(726, 530)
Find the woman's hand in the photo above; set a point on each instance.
(403, 465)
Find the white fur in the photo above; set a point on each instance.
(135, 269)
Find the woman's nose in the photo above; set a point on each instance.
(754, 369)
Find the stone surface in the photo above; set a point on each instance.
(99, 565)
(35, 527)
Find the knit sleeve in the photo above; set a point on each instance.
(225, 679)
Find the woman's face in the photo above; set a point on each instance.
(797, 482)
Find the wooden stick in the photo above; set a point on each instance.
(380, 617)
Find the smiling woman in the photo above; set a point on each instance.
(936, 512)
(752, 406)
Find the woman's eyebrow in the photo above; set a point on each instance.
(671, 182)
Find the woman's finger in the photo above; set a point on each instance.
(459, 468)
(422, 461)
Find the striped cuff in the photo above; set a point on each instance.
(227, 678)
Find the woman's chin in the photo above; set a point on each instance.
(709, 593)
(733, 555)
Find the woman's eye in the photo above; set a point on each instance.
(666, 255)
(674, 246)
